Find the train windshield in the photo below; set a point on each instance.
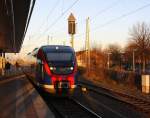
(60, 59)
(59, 56)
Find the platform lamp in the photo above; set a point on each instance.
(133, 57)
(71, 28)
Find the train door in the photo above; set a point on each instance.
(39, 70)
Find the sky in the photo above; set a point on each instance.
(110, 21)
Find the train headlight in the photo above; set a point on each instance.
(71, 68)
(52, 68)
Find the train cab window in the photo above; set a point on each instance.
(61, 59)
(60, 56)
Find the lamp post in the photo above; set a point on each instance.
(108, 60)
(87, 44)
(121, 59)
(133, 59)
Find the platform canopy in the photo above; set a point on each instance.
(14, 19)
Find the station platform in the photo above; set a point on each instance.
(19, 99)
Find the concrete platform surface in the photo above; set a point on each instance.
(19, 99)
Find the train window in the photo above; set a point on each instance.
(60, 56)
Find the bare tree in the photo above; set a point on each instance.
(98, 58)
(140, 36)
(115, 54)
(128, 55)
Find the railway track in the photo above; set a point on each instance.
(70, 108)
(66, 107)
(137, 103)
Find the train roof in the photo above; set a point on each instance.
(49, 48)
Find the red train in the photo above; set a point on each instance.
(56, 69)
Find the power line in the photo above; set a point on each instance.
(123, 16)
(118, 18)
(58, 18)
(97, 14)
(110, 6)
(63, 13)
(106, 9)
(53, 9)
(49, 14)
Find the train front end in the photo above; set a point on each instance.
(59, 69)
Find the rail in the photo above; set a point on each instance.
(69, 108)
(139, 104)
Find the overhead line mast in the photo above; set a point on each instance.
(87, 45)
